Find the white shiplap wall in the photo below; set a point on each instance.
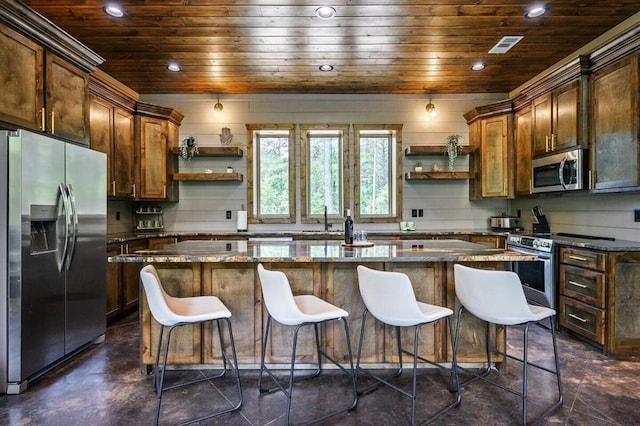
(605, 215)
(446, 204)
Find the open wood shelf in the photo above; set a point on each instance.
(214, 151)
(208, 177)
(435, 150)
(437, 175)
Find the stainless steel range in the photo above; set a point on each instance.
(538, 277)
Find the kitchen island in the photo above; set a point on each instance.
(324, 268)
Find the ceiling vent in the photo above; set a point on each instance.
(505, 44)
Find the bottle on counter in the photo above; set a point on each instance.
(348, 228)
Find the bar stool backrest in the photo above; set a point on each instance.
(159, 301)
(493, 296)
(389, 296)
(278, 297)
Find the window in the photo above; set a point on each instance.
(378, 172)
(324, 171)
(271, 173)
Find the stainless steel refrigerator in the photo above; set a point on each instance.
(53, 254)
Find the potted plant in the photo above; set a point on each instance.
(452, 149)
(418, 166)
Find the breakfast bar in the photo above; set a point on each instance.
(325, 268)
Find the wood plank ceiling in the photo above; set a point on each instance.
(375, 46)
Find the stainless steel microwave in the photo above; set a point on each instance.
(558, 172)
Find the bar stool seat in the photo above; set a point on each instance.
(299, 311)
(496, 297)
(389, 298)
(174, 312)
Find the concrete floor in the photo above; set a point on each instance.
(103, 386)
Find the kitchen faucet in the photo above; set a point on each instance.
(327, 225)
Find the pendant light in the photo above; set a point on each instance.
(217, 108)
(431, 109)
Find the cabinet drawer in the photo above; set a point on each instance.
(584, 319)
(583, 258)
(582, 284)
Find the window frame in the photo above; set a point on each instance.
(252, 216)
(396, 130)
(305, 216)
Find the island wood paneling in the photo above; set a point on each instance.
(235, 285)
(178, 280)
(238, 286)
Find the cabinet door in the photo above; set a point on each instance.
(21, 74)
(178, 280)
(123, 154)
(542, 125)
(489, 241)
(67, 100)
(131, 277)
(523, 139)
(495, 171)
(101, 139)
(566, 106)
(114, 282)
(615, 127)
(153, 159)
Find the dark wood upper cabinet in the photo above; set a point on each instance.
(112, 132)
(44, 74)
(22, 78)
(522, 146)
(157, 134)
(615, 124)
(555, 119)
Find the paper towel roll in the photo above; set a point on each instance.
(242, 220)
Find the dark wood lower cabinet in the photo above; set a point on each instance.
(600, 299)
(123, 288)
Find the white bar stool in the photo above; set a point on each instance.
(174, 312)
(390, 298)
(497, 298)
(299, 311)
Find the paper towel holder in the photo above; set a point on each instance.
(242, 220)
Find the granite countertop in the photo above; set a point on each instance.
(321, 251)
(297, 235)
(595, 244)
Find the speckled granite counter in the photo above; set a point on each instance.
(321, 251)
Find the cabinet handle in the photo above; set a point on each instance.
(577, 284)
(43, 116)
(530, 186)
(582, 320)
(553, 142)
(126, 246)
(546, 144)
(53, 122)
(133, 187)
(122, 249)
(113, 188)
(164, 191)
(578, 258)
(590, 180)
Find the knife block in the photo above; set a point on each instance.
(542, 227)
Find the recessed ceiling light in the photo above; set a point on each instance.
(114, 10)
(478, 66)
(325, 67)
(173, 67)
(325, 12)
(536, 11)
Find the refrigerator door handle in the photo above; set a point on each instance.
(73, 237)
(63, 225)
